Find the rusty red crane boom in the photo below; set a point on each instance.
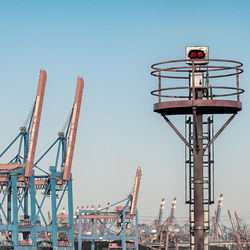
(35, 123)
(73, 129)
(136, 191)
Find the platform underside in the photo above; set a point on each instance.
(185, 107)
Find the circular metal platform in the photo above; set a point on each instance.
(181, 97)
(203, 106)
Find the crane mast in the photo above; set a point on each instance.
(135, 191)
(35, 123)
(161, 211)
(218, 213)
(173, 208)
(73, 129)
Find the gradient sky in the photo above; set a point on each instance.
(112, 45)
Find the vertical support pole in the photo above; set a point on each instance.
(193, 89)
(92, 244)
(136, 230)
(167, 239)
(92, 234)
(26, 215)
(70, 210)
(25, 189)
(159, 86)
(237, 84)
(198, 183)
(26, 204)
(9, 205)
(64, 149)
(80, 231)
(53, 207)
(25, 144)
(15, 211)
(124, 228)
(33, 210)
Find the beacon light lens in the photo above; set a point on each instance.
(193, 55)
(201, 54)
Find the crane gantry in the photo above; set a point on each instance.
(22, 205)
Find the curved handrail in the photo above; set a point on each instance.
(166, 70)
(202, 68)
(158, 92)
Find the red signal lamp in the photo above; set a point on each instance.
(193, 55)
(196, 54)
(201, 54)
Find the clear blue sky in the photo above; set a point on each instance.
(112, 44)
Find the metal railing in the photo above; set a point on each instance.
(212, 70)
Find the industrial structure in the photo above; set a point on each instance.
(175, 233)
(199, 95)
(158, 235)
(26, 187)
(116, 223)
(36, 200)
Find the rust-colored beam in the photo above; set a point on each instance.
(10, 166)
(49, 217)
(41, 182)
(35, 123)
(73, 129)
(136, 191)
(120, 208)
(4, 179)
(104, 216)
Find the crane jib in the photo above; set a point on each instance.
(35, 123)
(73, 129)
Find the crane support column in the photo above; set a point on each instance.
(33, 209)
(70, 209)
(53, 207)
(15, 212)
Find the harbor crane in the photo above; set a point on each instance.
(59, 181)
(27, 189)
(116, 222)
(17, 178)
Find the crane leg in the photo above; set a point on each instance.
(70, 210)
